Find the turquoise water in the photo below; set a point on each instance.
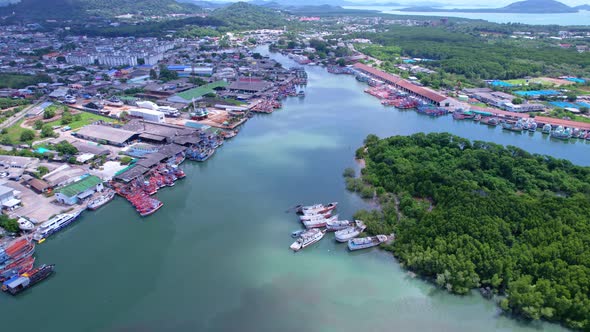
(579, 18)
(42, 150)
(216, 256)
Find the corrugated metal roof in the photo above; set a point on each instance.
(80, 186)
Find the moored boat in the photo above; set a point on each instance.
(307, 238)
(26, 280)
(25, 224)
(350, 232)
(546, 129)
(316, 209)
(54, 225)
(305, 217)
(297, 233)
(101, 200)
(366, 242)
(337, 225)
(490, 121)
(561, 133)
(318, 223)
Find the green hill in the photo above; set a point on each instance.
(73, 9)
(243, 15)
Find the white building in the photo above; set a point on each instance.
(147, 114)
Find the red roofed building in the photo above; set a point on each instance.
(405, 86)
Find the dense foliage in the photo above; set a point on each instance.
(477, 58)
(68, 9)
(19, 81)
(471, 214)
(149, 29)
(241, 15)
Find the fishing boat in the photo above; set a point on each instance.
(316, 209)
(305, 217)
(101, 200)
(229, 134)
(561, 133)
(307, 238)
(21, 266)
(25, 224)
(366, 242)
(350, 232)
(516, 127)
(54, 225)
(301, 94)
(337, 225)
(319, 222)
(490, 121)
(477, 117)
(26, 280)
(463, 115)
(532, 126)
(546, 129)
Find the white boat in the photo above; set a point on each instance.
(316, 209)
(25, 224)
(317, 223)
(350, 232)
(315, 216)
(54, 225)
(337, 225)
(366, 242)
(101, 200)
(307, 238)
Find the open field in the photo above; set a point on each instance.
(85, 119)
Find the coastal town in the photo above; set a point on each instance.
(90, 118)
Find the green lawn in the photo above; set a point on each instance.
(86, 119)
(14, 132)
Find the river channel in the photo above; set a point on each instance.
(216, 257)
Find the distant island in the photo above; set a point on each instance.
(523, 7)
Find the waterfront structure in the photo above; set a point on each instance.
(79, 190)
(401, 84)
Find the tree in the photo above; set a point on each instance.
(584, 110)
(124, 115)
(66, 118)
(38, 124)
(27, 135)
(47, 131)
(153, 74)
(517, 101)
(65, 148)
(42, 170)
(5, 140)
(571, 97)
(349, 172)
(341, 62)
(49, 113)
(10, 225)
(197, 81)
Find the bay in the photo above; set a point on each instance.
(216, 256)
(580, 18)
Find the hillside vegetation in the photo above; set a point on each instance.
(477, 214)
(476, 59)
(242, 15)
(73, 9)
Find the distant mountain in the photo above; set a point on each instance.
(524, 7)
(75, 9)
(305, 3)
(582, 7)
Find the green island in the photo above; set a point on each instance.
(478, 214)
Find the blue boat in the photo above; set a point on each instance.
(561, 133)
(199, 154)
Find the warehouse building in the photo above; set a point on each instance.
(79, 190)
(106, 135)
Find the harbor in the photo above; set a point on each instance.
(239, 250)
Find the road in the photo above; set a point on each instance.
(15, 118)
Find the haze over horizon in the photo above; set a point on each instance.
(493, 4)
